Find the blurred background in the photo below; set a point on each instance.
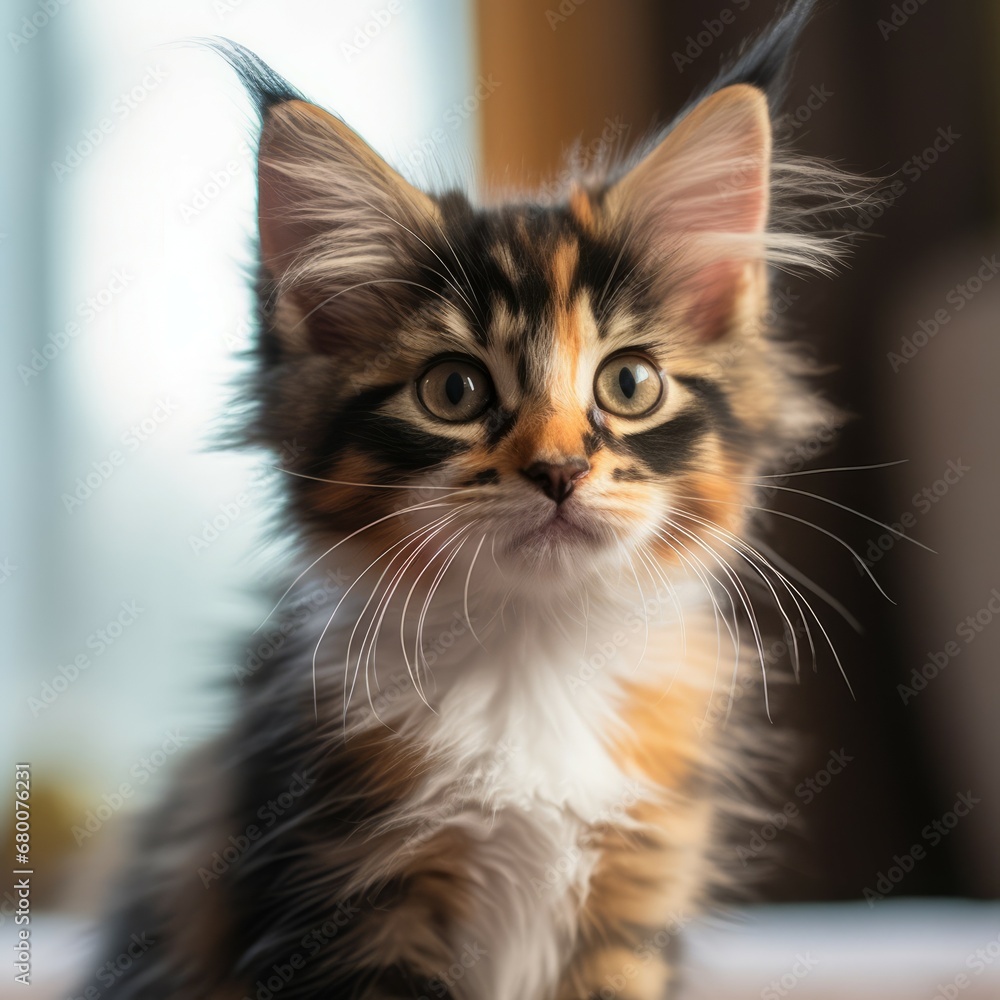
(132, 555)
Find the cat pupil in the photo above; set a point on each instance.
(454, 388)
(627, 382)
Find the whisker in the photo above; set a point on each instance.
(432, 589)
(372, 486)
(822, 594)
(796, 595)
(412, 538)
(465, 598)
(841, 468)
(739, 550)
(375, 626)
(357, 579)
(851, 510)
(423, 505)
(645, 610)
(651, 565)
(363, 284)
(731, 627)
(450, 279)
(436, 583)
(808, 524)
(747, 606)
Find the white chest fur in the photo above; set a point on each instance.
(515, 719)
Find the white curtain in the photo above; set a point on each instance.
(130, 556)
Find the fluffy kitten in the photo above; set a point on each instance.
(498, 762)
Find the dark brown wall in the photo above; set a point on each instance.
(561, 80)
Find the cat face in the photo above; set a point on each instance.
(569, 382)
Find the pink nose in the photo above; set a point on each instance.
(557, 479)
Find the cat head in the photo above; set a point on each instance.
(567, 381)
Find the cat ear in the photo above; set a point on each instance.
(701, 198)
(336, 222)
(316, 175)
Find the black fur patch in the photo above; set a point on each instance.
(485, 477)
(713, 397)
(398, 443)
(628, 475)
(598, 436)
(392, 441)
(605, 271)
(499, 423)
(667, 449)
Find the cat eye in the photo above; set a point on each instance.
(628, 385)
(455, 390)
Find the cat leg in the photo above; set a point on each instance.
(648, 884)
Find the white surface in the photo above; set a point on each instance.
(905, 950)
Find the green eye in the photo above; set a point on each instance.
(628, 385)
(455, 390)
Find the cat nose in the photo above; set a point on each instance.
(557, 479)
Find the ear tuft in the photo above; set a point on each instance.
(263, 85)
(700, 200)
(766, 61)
(711, 172)
(338, 225)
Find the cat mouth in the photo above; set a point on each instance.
(559, 528)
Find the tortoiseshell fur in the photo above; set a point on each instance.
(495, 766)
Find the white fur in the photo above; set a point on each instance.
(516, 723)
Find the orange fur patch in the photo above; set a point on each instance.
(581, 207)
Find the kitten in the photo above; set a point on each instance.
(499, 761)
